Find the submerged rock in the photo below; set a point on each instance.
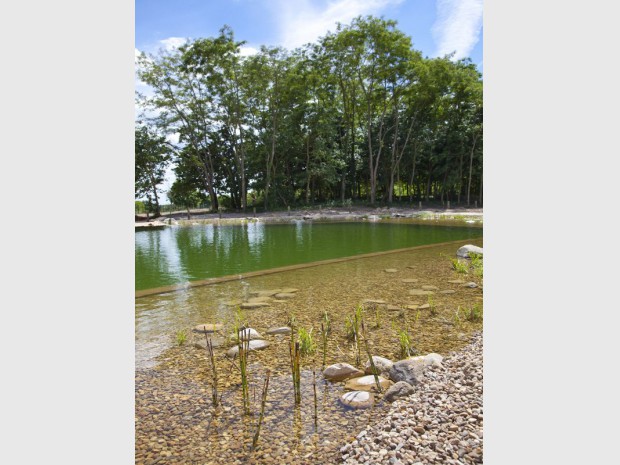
(464, 251)
(367, 383)
(394, 308)
(456, 281)
(280, 330)
(374, 301)
(208, 328)
(399, 389)
(284, 295)
(429, 288)
(288, 290)
(424, 306)
(409, 280)
(420, 292)
(255, 344)
(358, 399)
(251, 305)
(215, 342)
(391, 270)
(470, 284)
(341, 372)
(447, 291)
(249, 334)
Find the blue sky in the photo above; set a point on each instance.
(437, 27)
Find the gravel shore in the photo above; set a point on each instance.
(441, 423)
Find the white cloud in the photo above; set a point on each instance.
(173, 42)
(302, 22)
(457, 28)
(246, 51)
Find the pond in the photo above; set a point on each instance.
(175, 422)
(174, 255)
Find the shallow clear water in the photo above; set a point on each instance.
(176, 255)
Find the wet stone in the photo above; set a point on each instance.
(284, 295)
(470, 284)
(208, 328)
(251, 305)
(341, 372)
(366, 383)
(249, 334)
(420, 292)
(391, 270)
(255, 344)
(382, 365)
(280, 330)
(288, 290)
(447, 291)
(430, 288)
(409, 280)
(358, 399)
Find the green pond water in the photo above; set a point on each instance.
(180, 254)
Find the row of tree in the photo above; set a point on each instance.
(359, 114)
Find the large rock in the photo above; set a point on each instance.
(400, 389)
(254, 344)
(249, 334)
(408, 370)
(208, 328)
(382, 365)
(367, 383)
(341, 372)
(464, 251)
(358, 399)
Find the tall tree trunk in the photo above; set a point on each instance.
(471, 164)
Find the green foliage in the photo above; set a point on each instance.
(433, 305)
(140, 207)
(476, 263)
(459, 266)
(474, 314)
(181, 337)
(404, 342)
(352, 324)
(327, 324)
(306, 345)
(456, 319)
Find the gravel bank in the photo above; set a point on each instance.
(440, 423)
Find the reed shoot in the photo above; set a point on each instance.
(295, 354)
(324, 338)
(307, 345)
(372, 362)
(459, 266)
(316, 415)
(404, 340)
(244, 349)
(475, 314)
(262, 410)
(214, 397)
(181, 337)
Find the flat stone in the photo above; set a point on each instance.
(374, 301)
(250, 305)
(253, 300)
(232, 303)
(464, 251)
(424, 306)
(208, 328)
(341, 372)
(382, 365)
(249, 334)
(456, 281)
(447, 291)
(430, 288)
(394, 308)
(288, 290)
(409, 280)
(412, 307)
(358, 399)
(470, 284)
(391, 270)
(255, 344)
(420, 292)
(215, 342)
(284, 295)
(265, 293)
(399, 389)
(367, 383)
(280, 330)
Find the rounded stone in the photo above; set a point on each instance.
(407, 370)
(382, 365)
(399, 389)
(367, 383)
(470, 284)
(358, 399)
(464, 251)
(249, 334)
(341, 372)
(255, 344)
(208, 328)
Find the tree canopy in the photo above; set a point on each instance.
(360, 114)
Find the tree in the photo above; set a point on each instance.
(152, 156)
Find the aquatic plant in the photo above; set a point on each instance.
(404, 340)
(377, 317)
(324, 340)
(262, 410)
(327, 322)
(316, 414)
(474, 314)
(306, 344)
(295, 355)
(244, 349)
(214, 398)
(432, 305)
(373, 368)
(456, 319)
(181, 337)
(476, 263)
(352, 330)
(459, 266)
